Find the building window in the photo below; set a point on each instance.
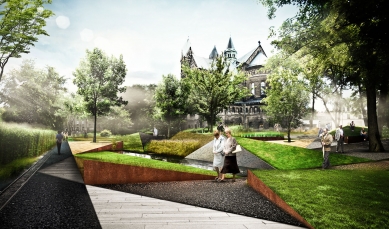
(263, 86)
(252, 89)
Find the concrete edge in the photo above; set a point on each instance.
(264, 190)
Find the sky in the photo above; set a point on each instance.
(150, 34)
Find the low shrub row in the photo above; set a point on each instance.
(17, 142)
(181, 148)
(262, 134)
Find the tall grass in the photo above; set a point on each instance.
(18, 141)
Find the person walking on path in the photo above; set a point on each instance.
(59, 138)
(339, 137)
(326, 141)
(218, 154)
(230, 163)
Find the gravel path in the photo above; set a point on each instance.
(233, 197)
(50, 202)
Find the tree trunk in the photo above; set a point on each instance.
(289, 139)
(375, 144)
(312, 112)
(383, 106)
(95, 125)
(364, 116)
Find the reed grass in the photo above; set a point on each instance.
(18, 141)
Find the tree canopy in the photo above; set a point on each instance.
(99, 79)
(213, 89)
(171, 97)
(287, 97)
(356, 28)
(33, 95)
(21, 22)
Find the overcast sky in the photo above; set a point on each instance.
(150, 34)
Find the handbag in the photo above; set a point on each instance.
(238, 149)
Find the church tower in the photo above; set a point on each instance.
(230, 52)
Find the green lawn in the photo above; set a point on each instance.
(291, 157)
(334, 198)
(111, 157)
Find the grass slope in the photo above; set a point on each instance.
(291, 157)
(334, 198)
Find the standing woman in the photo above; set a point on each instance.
(230, 163)
(218, 155)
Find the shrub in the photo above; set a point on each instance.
(18, 141)
(181, 148)
(105, 133)
(203, 139)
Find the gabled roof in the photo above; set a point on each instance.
(251, 60)
(202, 62)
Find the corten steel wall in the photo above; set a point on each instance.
(96, 172)
(261, 187)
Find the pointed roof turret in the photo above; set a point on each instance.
(214, 53)
(230, 44)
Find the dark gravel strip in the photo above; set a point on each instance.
(8, 192)
(233, 197)
(50, 202)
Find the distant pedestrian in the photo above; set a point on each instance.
(363, 134)
(352, 126)
(326, 141)
(218, 154)
(320, 132)
(230, 163)
(339, 137)
(220, 128)
(59, 138)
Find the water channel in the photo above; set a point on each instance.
(183, 161)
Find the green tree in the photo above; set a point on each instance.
(357, 25)
(21, 22)
(171, 99)
(33, 95)
(98, 79)
(214, 89)
(73, 108)
(287, 96)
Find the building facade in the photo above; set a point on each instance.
(247, 112)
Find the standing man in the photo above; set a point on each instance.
(59, 138)
(326, 141)
(339, 137)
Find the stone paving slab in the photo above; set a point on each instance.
(125, 210)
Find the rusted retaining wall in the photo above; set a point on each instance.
(96, 172)
(261, 187)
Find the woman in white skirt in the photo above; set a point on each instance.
(218, 155)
